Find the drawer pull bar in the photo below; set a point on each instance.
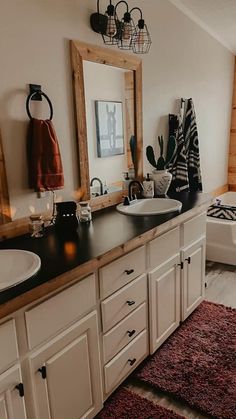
(43, 372)
(129, 271)
(130, 303)
(131, 333)
(132, 361)
(181, 264)
(188, 259)
(20, 388)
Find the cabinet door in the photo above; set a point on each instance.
(12, 405)
(164, 298)
(67, 373)
(193, 277)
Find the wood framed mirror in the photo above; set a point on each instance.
(83, 56)
(5, 215)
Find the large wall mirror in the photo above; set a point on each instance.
(108, 99)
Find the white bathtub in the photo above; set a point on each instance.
(221, 235)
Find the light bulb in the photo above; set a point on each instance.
(111, 27)
(140, 38)
(127, 31)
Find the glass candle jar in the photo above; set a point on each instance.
(84, 212)
(36, 226)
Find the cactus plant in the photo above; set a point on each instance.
(160, 163)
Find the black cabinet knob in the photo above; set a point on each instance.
(132, 361)
(188, 260)
(20, 388)
(131, 333)
(130, 303)
(129, 271)
(43, 372)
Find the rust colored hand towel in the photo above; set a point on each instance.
(45, 171)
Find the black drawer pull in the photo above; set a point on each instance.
(188, 259)
(130, 303)
(20, 388)
(132, 361)
(43, 372)
(129, 271)
(131, 333)
(181, 264)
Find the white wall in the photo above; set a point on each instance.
(184, 61)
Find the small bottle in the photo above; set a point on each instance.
(131, 173)
(148, 187)
(84, 212)
(126, 181)
(36, 226)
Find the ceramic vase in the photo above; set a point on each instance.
(162, 180)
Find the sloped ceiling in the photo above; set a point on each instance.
(218, 17)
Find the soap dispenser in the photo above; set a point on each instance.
(148, 187)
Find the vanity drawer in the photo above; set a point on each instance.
(164, 247)
(8, 344)
(123, 302)
(124, 332)
(120, 272)
(193, 229)
(49, 317)
(119, 367)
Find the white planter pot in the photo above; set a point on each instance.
(162, 181)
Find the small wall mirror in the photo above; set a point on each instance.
(108, 97)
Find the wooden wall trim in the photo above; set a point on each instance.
(5, 213)
(232, 147)
(219, 191)
(81, 51)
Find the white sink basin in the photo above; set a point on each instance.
(17, 266)
(153, 206)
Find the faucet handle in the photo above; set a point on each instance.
(126, 200)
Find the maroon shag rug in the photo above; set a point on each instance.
(197, 364)
(125, 404)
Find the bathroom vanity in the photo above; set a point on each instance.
(102, 302)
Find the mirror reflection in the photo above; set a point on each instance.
(109, 100)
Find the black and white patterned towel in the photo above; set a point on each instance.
(177, 165)
(223, 212)
(192, 148)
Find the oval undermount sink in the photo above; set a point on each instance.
(16, 266)
(154, 206)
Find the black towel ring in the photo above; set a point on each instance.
(29, 99)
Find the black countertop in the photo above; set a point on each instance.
(108, 230)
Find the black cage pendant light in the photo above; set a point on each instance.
(141, 39)
(110, 36)
(123, 33)
(127, 28)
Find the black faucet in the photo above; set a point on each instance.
(101, 185)
(131, 184)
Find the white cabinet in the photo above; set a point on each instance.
(59, 337)
(164, 301)
(66, 373)
(12, 405)
(193, 277)
(176, 279)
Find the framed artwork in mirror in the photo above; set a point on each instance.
(109, 128)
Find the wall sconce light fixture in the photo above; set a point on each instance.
(122, 32)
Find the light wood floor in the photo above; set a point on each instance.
(221, 288)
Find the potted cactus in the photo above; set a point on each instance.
(160, 175)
